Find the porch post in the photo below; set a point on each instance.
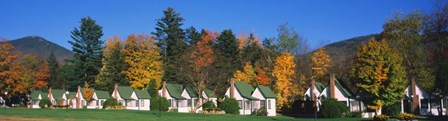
(402, 106)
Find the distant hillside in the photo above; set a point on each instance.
(342, 54)
(41, 48)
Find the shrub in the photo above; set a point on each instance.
(405, 116)
(331, 108)
(354, 115)
(260, 112)
(230, 106)
(392, 110)
(159, 103)
(110, 103)
(45, 103)
(380, 117)
(208, 105)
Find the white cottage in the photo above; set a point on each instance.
(36, 96)
(128, 98)
(242, 92)
(57, 97)
(143, 99)
(178, 98)
(267, 100)
(337, 90)
(418, 101)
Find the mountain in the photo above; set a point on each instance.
(41, 48)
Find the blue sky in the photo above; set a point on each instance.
(323, 20)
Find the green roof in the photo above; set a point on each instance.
(344, 88)
(125, 92)
(142, 94)
(44, 95)
(35, 95)
(245, 90)
(102, 94)
(209, 93)
(71, 94)
(175, 90)
(57, 93)
(192, 92)
(319, 86)
(266, 91)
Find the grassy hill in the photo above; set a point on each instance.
(41, 47)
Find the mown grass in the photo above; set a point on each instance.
(129, 115)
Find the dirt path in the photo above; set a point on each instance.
(2, 118)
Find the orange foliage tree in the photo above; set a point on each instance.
(41, 76)
(11, 70)
(202, 56)
(246, 75)
(320, 63)
(87, 92)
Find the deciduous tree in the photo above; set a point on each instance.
(113, 65)
(284, 71)
(320, 64)
(379, 74)
(41, 76)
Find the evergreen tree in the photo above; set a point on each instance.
(251, 52)
(113, 65)
(87, 46)
(53, 65)
(228, 53)
(193, 35)
(171, 41)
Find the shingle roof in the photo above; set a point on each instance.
(245, 90)
(210, 93)
(125, 92)
(266, 91)
(192, 92)
(345, 91)
(142, 94)
(319, 86)
(35, 95)
(57, 93)
(175, 90)
(102, 94)
(71, 95)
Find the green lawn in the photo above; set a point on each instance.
(75, 114)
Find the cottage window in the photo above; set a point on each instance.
(143, 103)
(269, 104)
(262, 104)
(247, 105)
(240, 104)
(169, 103)
(424, 103)
(189, 102)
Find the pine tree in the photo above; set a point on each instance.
(113, 65)
(171, 41)
(53, 65)
(228, 53)
(87, 46)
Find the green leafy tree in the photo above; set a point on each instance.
(251, 51)
(88, 47)
(288, 39)
(403, 34)
(53, 65)
(378, 73)
(171, 40)
(113, 65)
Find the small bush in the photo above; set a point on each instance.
(110, 103)
(45, 103)
(380, 118)
(230, 106)
(260, 112)
(331, 108)
(208, 105)
(159, 103)
(354, 115)
(22, 105)
(405, 116)
(392, 110)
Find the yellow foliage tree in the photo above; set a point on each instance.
(284, 70)
(320, 63)
(143, 59)
(246, 75)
